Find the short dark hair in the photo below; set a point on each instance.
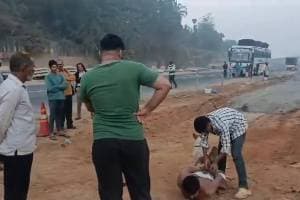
(19, 60)
(52, 62)
(111, 42)
(200, 124)
(190, 185)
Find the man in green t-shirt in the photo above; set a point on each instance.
(112, 92)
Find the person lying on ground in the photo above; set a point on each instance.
(231, 126)
(197, 183)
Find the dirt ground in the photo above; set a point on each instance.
(65, 171)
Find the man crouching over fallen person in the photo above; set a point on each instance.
(231, 126)
(197, 183)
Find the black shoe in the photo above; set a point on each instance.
(72, 127)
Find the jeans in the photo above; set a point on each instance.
(111, 158)
(56, 108)
(68, 110)
(17, 170)
(236, 151)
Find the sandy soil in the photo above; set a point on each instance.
(65, 172)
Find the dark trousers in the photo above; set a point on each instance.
(17, 171)
(172, 80)
(68, 110)
(236, 151)
(111, 158)
(225, 73)
(56, 108)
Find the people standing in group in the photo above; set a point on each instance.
(56, 85)
(81, 70)
(231, 126)
(69, 92)
(225, 70)
(112, 91)
(172, 72)
(17, 128)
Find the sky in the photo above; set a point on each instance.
(276, 22)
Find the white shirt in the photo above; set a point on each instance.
(1, 78)
(172, 69)
(17, 123)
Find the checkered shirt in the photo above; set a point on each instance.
(227, 123)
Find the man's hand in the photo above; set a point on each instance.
(214, 167)
(206, 162)
(195, 136)
(142, 114)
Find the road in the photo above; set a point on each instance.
(38, 93)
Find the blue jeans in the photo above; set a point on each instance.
(236, 151)
(56, 110)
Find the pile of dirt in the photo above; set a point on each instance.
(271, 151)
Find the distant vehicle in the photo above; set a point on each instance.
(40, 73)
(291, 63)
(246, 57)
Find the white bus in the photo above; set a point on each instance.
(248, 56)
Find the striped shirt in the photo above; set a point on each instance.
(227, 123)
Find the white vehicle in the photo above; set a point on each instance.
(291, 63)
(247, 56)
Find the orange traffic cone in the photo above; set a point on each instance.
(44, 125)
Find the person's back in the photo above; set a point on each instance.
(231, 117)
(114, 91)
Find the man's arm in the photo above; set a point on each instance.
(226, 145)
(8, 104)
(84, 97)
(162, 87)
(89, 106)
(50, 87)
(214, 185)
(69, 76)
(63, 85)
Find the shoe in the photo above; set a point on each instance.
(63, 135)
(78, 118)
(243, 193)
(52, 137)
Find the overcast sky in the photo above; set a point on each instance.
(274, 21)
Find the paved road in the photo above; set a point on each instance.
(38, 94)
(185, 82)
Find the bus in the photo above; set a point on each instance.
(249, 57)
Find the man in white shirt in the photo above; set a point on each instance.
(172, 71)
(17, 128)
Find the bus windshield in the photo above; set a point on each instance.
(240, 55)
